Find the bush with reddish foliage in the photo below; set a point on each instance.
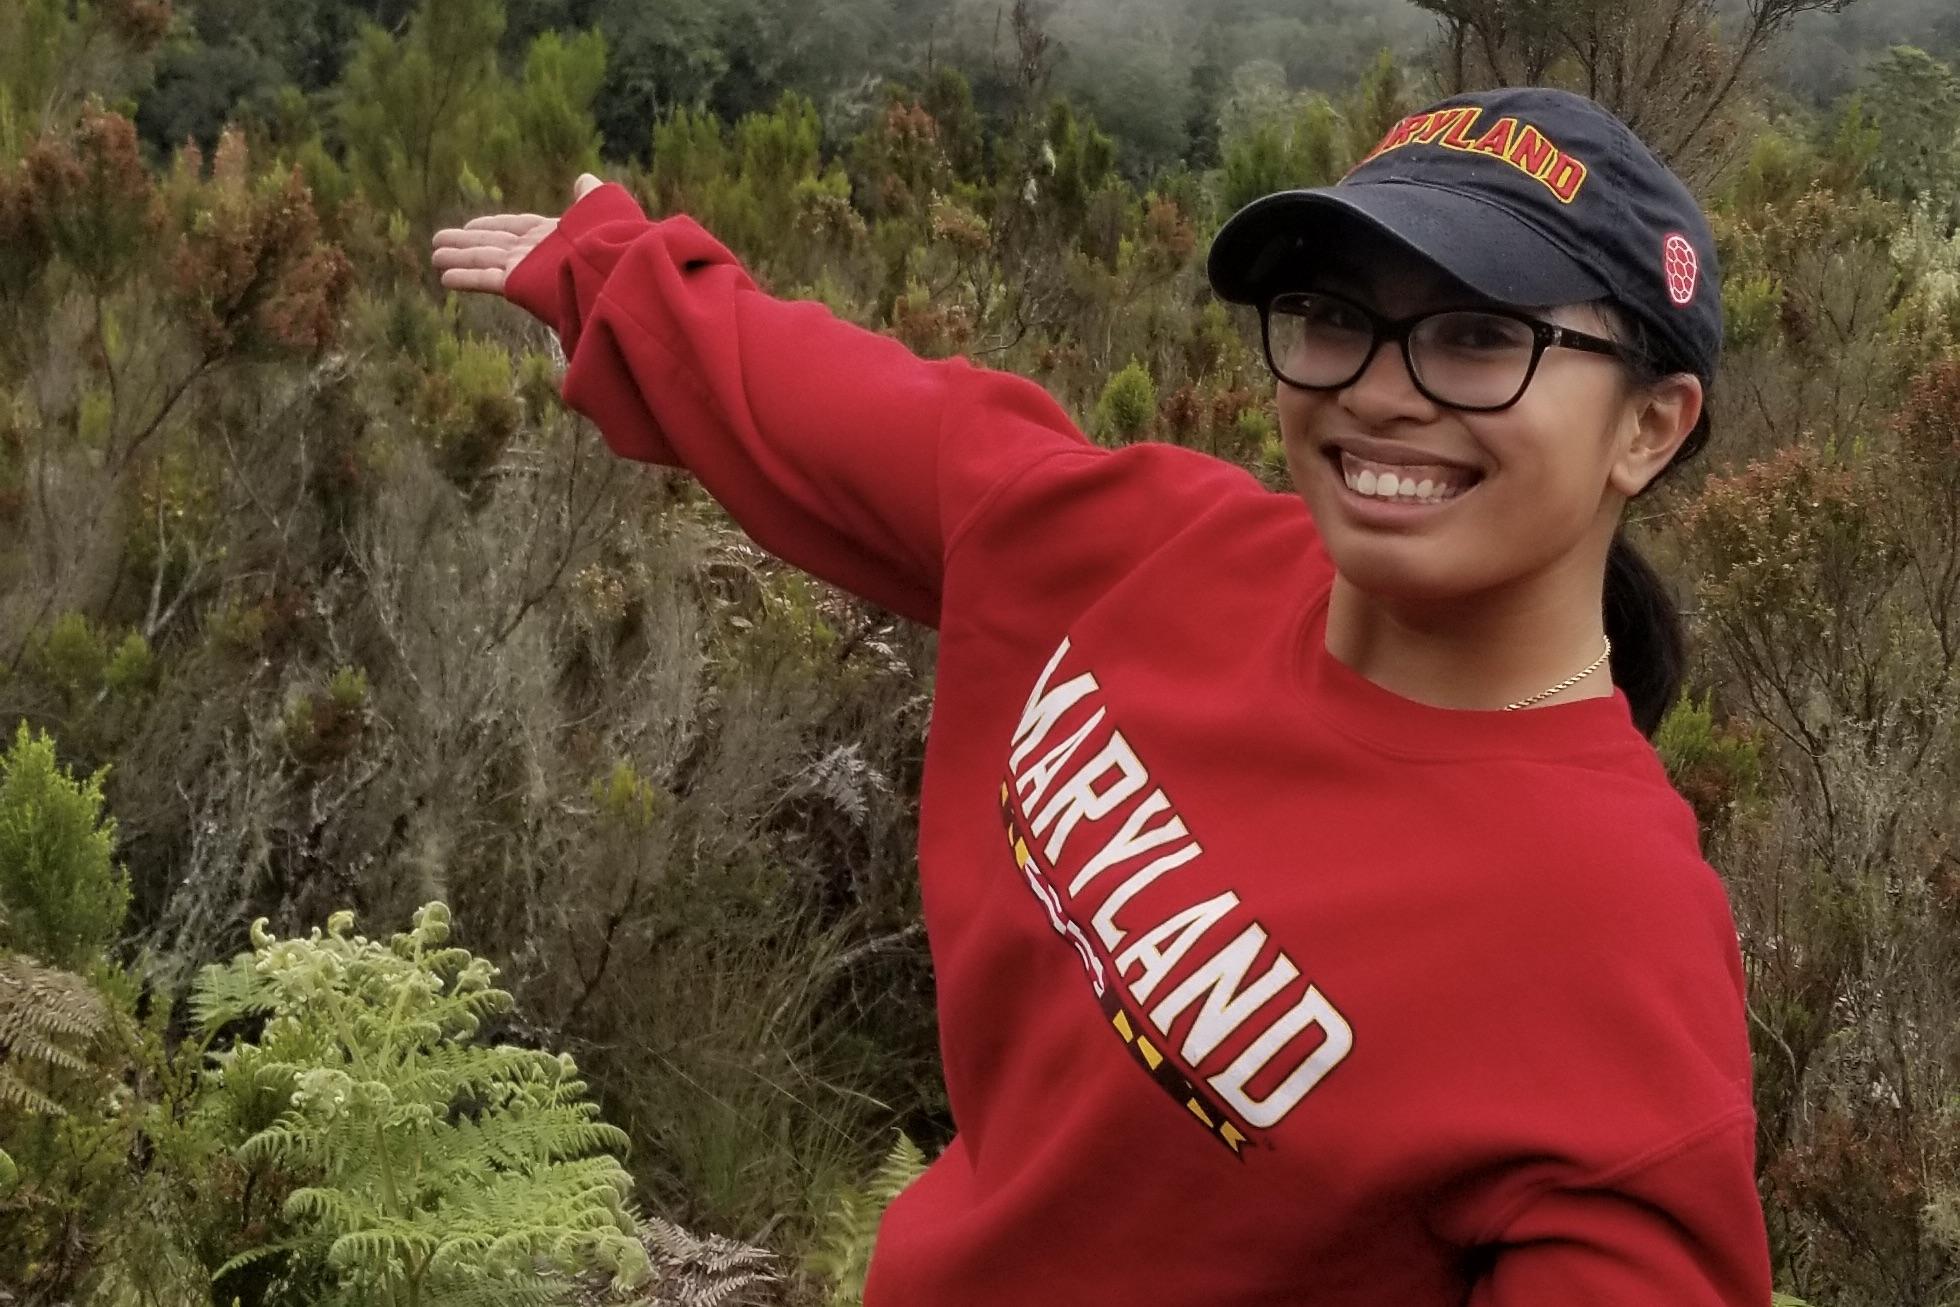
(84, 197)
(140, 25)
(250, 271)
(1794, 543)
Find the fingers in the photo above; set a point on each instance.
(584, 186)
(489, 280)
(517, 223)
(478, 255)
(487, 256)
(464, 238)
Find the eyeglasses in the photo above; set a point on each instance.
(1479, 360)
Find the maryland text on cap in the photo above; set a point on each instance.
(1529, 196)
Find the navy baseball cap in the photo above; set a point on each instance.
(1529, 196)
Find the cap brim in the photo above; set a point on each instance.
(1495, 254)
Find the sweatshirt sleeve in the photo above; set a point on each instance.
(836, 448)
(1685, 1229)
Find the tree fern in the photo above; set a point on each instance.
(438, 1170)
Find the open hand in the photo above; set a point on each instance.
(481, 253)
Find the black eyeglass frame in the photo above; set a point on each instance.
(1544, 335)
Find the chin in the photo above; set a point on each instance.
(1388, 565)
(1402, 572)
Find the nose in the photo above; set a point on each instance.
(1385, 392)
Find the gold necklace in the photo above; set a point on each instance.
(1567, 683)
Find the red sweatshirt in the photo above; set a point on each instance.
(1259, 985)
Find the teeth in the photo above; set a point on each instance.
(1404, 487)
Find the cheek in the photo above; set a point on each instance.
(1553, 457)
(1563, 432)
(1295, 408)
(1299, 413)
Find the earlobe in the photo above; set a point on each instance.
(1661, 419)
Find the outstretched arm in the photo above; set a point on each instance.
(836, 448)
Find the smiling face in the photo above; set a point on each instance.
(1421, 502)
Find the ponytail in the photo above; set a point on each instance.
(1649, 651)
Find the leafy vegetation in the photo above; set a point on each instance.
(843, 1257)
(313, 595)
(437, 1169)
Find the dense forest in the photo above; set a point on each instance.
(442, 862)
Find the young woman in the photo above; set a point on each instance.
(1313, 923)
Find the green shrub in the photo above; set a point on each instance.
(321, 729)
(546, 137)
(1752, 307)
(419, 108)
(1715, 767)
(438, 1169)
(72, 655)
(132, 666)
(1296, 143)
(1128, 404)
(62, 892)
(468, 407)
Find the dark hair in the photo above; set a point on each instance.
(1650, 650)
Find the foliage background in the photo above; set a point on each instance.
(315, 596)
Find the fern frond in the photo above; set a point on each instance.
(251, 1257)
(286, 1142)
(843, 1254)
(705, 1272)
(226, 992)
(50, 1021)
(485, 1165)
(903, 1164)
(42, 1005)
(22, 1097)
(334, 1208)
(382, 1245)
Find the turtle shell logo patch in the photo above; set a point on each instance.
(1683, 269)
